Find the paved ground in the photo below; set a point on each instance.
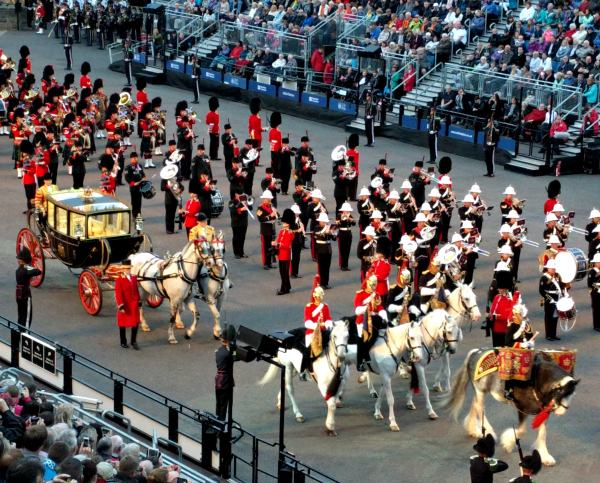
(423, 450)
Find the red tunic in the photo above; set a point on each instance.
(381, 269)
(110, 129)
(141, 98)
(192, 209)
(374, 306)
(85, 81)
(356, 154)
(42, 165)
(314, 313)
(502, 308)
(284, 242)
(128, 296)
(255, 127)
(275, 139)
(213, 120)
(29, 172)
(549, 205)
(108, 183)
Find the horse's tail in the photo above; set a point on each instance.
(271, 373)
(414, 379)
(456, 397)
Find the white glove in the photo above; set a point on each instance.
(329, 324)
(523, 324)
(359, 329)
(427, 291)
(368, 299)
(530, 344)
(447, 293)
(309, 324)
(361, 309)
(383, 315)
(394, 309)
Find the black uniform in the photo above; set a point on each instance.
(24, 274)
(506, 206)
(365, 252)
(235, 181)
(297, 245)
(594, 286)
(446, 215)
(408, 217)
(480, 470)
(267, 232)
(344, 239)
(205, 197)
(302, 173)
(323, 254)
(590, 237)
(196, 80)
(201, 165)
(78, 163)
(170, 206)
(365, 209)
(127, 58)
(184, 145)
(69, 52)
(434, 125)
(370, 122)
(394, 216)
(285, 168)
(228, 149)
(341, 186)
(239, 226)
(418, 187)
(489, 148)
(250, 168)
(511, 331)
(224, 382)
(551, 289)
(302, 199)
(269, 184)
(313, 210)
(548, 232)
(133, 174)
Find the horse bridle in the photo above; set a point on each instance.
(336, 346)
(468, 309)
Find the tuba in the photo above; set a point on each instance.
(124, 99)
(169, 173)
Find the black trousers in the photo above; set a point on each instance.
(214, 146)
(78, 180)
(24, 312)
(489, 160)
(550, 320)
(284, 273)
(344, 246)
(470, 267)
(136, 203)
(53, 168)
(445, 226)
(265, 241)
(370, 130)
(275, 163)
(498, 339)
(596, 309)
(285, 174)
(432, 138)
(30, 194)
(186, 164)
(123, 334)
(196, 87)
(121, 161)
(239, 237)
(223, 397)
(69, 56)
(516, 257)
(127, 69)
(170, 211)
(228, 155)
(339, 201)
(248, 182)
(324, 265)
(296, 251)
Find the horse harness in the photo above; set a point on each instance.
(409, 346)
(444, 342)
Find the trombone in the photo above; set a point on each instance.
(247, 201)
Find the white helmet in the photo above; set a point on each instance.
(434, 193)
(509, 191)
(420, 217)
(370, 231)
(551, 263)
(505, 228)
(456, 238)
(596, 258)
(346, 207)
(466, 224)
(267, 195)
(558, 207)
(475, 189)
(394, 195)
(425, 207)
(323, 217)
(513, 214)
(364, 192)
(551, 217)
(505, 250)
(554, 239)
(594, 214)
(316, 193)
(445, 180)
(469, 199)
(376, 214)
(406, 185)
(404, 239)
(296, 209)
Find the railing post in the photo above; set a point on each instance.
(118, 397)
(67, 373)
(15, 346)
(173, 424)
(400, 114)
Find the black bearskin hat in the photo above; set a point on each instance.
(533, 462)
(553, 188)
(114, 98)
(21, 66)
(195, 186)
(29, 81)
(419, 164)
(112, 109)
(85, 68)
(69, 80)
(25, 255)
(141, 83)
(19, 113)
(54, 92)
(157, 102)
(255, 105)
(26, 147)
(353, 141)
(288, 217)
(146, 108)
(504, 280)
(81, 106)
(24, 51)
(275, 119)
(213, 104)
(85, 93)
(181, 106)
(486, 446)
(383, 161)
(69, 118)
(40, 138)
(107, 162)
(445, 165)
(48, 71)
(384, 246)
(35, 105)
(98, 84)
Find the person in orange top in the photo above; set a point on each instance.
(84, 80)
(381, 268)
(192, 207)
(213, 121)
(275, 142)
(284, 245)
(255, 127)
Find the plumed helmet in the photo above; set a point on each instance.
(504, 280)
(275, 119)
(85, 68)
(141, 83)
(553, 188)
(353, 141)
(445, 165)
(157, 102)
(486, 446)
(98, 84)
(288, 217)
(48, 71)
(533, 462)
(24, 255)
(24, 51)
(255, 105)
(372, 282)
(26, 147)
(317, 290)
(213, 103)
(384, 246)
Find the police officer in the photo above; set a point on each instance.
(134, 175)
(224, 383)
(239, 223)
(24, 274)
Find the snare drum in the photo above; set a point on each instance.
(571, 265)
(217, 204)
(147, 190)
(565, 308)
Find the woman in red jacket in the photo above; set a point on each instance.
(558, 134)
(284, 245)
(128, 304)
(328, 75)
(409, 79)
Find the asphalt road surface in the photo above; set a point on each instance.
(423, 450)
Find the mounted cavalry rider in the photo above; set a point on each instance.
(400, 299)
(370, 314)
(431, 286)
(483, 466)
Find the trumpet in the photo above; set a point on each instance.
(247, 201)
(430, 177)
(191, 114)
(520, 234)
(347, 218)
(32, 93)
(517, 204)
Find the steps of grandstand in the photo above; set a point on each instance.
(526, 165)
(358, 125)
(207, 48)
(153, 75)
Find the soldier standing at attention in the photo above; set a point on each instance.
(224, 383)
(24, 274)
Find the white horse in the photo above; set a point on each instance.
(441, 335)
(330, 372)
(402, 341)
(214, 282)
(172, 279)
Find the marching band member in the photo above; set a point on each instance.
(42, 161)
(77, 162)
(365, 251)
(213, 121)
(483, 466)
(378, 197)
(468, 210)
(161, 122)
(141, 100)
(553, 191)
(266, 214)
(519, 335)
(28, 173)
(316, 319)
(595, 221)
(323, 237)
(381, 268)
(239, 224)
(507, 239)
(84, 80)
(400, 300)
(271, 184)
(249, 166)
(201, 164)
(101, 104)
(230, 146)
(493, 289)
(192, 208)
(367, 307)
(108, 177)
(386, 175)
(285, 164)
(345, 222)
(594, 286)
(341, 183)
(551, 252)
(301, 198)
(432, 222)
(304, 164)
(283, 244)
(502, 306)
(185, 138)
(393, 211)
(447, 198)
(146, 127)
(418, 181)
(48, 80)
(255, 127)
(506, 254)
(437, 210)
(401, 255)
(236, 176)
(510, 203)
(431, 286)
(409, 203)
(595, 243)
(471, 256)
(299, 234)
(552, 228)
(172, 190)
(378, 224)
(422, 253)
(134, 176)
(551, 289)
(20, 133)
(275, 141)
(365, 209)
(479, 204)
(352, 153)
(313, 210)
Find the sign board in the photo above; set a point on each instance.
(342, 106)
(461, 133)
(175, 66)
(211, 75)
(314, 99)
(262, 88)
(507, 144)
(409, 122)
(289, 94)
(38, 353)
(139, 57)
(234, 81)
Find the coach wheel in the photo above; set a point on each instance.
(147, 246)
(27, 239)
(154, 301)
(90, 292)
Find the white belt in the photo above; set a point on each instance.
(344, 229)
(322, 242)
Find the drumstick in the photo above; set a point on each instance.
(534, 336)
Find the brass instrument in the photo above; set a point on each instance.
(125, 99)
(32, 93)
(517, 203)
(169, 173)
(247, 201)
(191, 114)
(7, 92)
(347, 218)
(333, 229)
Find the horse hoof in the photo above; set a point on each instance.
(187, 336)
(412, 407)
(394, 427)
(475, 435)
(377, 416)
(404, 375)
(215, 337)
(339, 404)
(179, 326)
(145, 328)
(300, 419)
(433, 416)
(374, 395)
(173, 341)
(438, 388)
(548, 461)
(330, 432)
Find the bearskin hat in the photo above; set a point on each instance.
(445, 165)
(383, 161)
(26, 147)
(504, 280)
(85, 68)
(110, 110)
(29, 81)
(353, 141)
(275, 119)
(69, 118)
(181, 106)
(81, 106)
(69, 80)
(141, 83)
(195, 186)
(255, 105)
(384, 246)
(157, 102)
(146, 108)
(98, 84)
(40, 138)
(24, 51)
(553, 188)
(35, 105)
(486, 446)
(54, 92)
(114, 98)
(85, 93)
(48, 71)
(288, 217)
(213, 104)
(533, 462)
(19, 112)
(107, 162)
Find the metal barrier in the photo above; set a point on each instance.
(261, 38)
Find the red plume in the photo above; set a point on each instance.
(316, 283)
(386, 156)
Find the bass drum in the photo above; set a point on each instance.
(147, 190)
(571, 265)
(217, 204)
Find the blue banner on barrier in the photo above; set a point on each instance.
(139, 57)
(480, 138)
(234, 81)
(409, 122)
(175, 66)
(262, 88)
(211, 75)
(506, 143)
(423, 125)
(314, 99)
(461, 133)
(342, 106)
(289, 94)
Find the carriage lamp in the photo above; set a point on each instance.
(78, 230)
(88, 195)
(139, 223)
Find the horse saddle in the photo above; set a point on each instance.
(511, 363)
